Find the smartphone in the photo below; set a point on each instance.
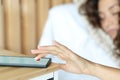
(22, 61)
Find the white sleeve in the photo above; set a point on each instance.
(47, 35)
(64, 26)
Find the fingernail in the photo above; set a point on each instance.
(35, 58)
(32, 51)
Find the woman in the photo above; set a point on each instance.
(77, 64)
(103, 14)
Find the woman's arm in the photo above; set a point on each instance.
(77, 64)
(105, 72)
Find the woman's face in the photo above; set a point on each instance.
(108, 13)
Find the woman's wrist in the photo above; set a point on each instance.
(88, 67)
(91, 68)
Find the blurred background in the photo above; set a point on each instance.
(22, 22)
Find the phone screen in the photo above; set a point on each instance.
(24, 61)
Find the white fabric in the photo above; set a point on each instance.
(68, 27)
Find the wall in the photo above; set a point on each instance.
(22, 22)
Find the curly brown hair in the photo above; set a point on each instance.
(90, 8)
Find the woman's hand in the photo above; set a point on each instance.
(74, 63)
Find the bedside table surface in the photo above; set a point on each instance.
(23, 73)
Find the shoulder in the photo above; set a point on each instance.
(63, 9)
(68, 12)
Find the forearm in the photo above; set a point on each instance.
(105, 73)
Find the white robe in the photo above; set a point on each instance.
(68, 27)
